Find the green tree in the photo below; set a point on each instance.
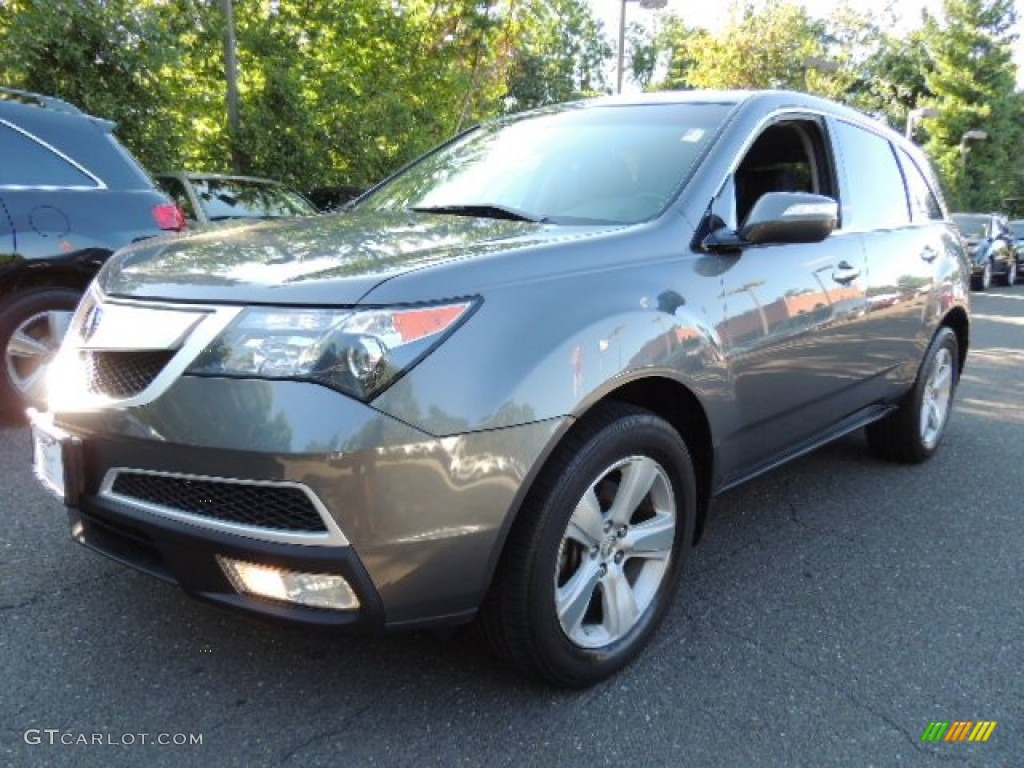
(764, 45)
(560, 55)
(972, 85)
(105, 56)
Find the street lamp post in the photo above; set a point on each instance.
(651, 5)
(915, 116)
(969, 136)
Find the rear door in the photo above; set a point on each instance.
(905, 240)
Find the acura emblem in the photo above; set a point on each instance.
(91, 322)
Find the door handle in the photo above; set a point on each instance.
(845, 273)
(929, 254)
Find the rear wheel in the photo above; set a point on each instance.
(1010, 275)
(592, 564)
(32, 326)
(912, 433)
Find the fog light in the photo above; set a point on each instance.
(317, 590)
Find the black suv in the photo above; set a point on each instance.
(70, 195)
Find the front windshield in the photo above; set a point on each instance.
(610, 164)
(245, 199)
(1018, 229)
(971, 226)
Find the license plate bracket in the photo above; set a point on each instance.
(56, 458)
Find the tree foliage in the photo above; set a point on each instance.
(957, 63)
(339, 93)
(971, 84)
(331, 93)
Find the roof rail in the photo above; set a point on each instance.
(50, 102)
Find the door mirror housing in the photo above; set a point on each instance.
(790, 217)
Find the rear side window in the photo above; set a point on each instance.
(27, 163)
(923, 205)
(875, 197)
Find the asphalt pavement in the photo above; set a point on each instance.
(833, 610)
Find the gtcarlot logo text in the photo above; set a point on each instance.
(55, 736)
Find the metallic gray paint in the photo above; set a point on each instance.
(426, 479)
(423, 513)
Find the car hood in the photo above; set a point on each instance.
(334, 259)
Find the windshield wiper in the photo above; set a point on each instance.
(484, 210)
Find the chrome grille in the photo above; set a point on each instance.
(272, 507)
(123, 374)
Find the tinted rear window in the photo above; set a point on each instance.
(28, 163)
(87, 141)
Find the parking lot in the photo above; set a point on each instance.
(834, 609)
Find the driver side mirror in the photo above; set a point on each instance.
(781, 217)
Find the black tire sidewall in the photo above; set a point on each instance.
(638, 434)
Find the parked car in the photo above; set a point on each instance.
(1017, 230)
(70, 195)
(508, 384)
(337, 198)
(212, 197)
(990, 245)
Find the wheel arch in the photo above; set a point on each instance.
(957, 321)
(663, 396)
(31, 275)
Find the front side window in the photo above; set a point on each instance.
(786, 157)
(875, 197)
(609, 164)
(28, 163)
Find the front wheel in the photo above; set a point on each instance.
(32, 326)
(592, 563)
(912, 433)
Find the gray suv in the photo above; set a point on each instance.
(508, 384)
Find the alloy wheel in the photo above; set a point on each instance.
(615, 552)
(936, 400)
(31, 350)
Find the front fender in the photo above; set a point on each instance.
(553, 350)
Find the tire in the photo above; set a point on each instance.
(1010, 275)
(32, 325)
(583, 582)
(913, 432)
(983, 281)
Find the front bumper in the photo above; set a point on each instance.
(414, 523)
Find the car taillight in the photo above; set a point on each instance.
(169, 216)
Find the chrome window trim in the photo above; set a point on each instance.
(332, 537)
(99, 183)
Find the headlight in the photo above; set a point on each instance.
(359, 352)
